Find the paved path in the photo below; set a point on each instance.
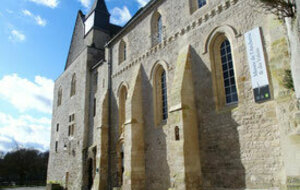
(28, 188)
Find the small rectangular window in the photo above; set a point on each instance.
(56, 146)
(69, 130)
(73, 117)
(95, 102)
(96, 81)
(57, 127)
(70, 118)
(72, 130)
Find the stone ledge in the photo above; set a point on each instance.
(184, 30)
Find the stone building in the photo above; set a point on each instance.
(188, 95)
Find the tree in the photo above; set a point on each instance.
(24, 166)
(281, 8)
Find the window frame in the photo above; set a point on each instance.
(158, 94)
(217, 71)
(59, 97)
(229, 69)
(73, 85)
(123, 52)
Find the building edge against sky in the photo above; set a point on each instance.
(189, 94)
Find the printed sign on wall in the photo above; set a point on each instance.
(256, 60)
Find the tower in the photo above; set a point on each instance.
(97, 26)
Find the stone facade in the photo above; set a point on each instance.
(135, 129)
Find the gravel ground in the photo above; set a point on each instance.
(28, 188)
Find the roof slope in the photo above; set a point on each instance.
(77, 43)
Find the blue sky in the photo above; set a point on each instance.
(34, 41)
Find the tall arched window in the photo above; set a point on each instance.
(59, 96)
(228, 73)
(156, 28)
(122, 51)
(160, 95)
(223, 71)
(73, 85)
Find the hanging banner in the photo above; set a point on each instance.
(257, 64)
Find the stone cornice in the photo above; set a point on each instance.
(188, 28)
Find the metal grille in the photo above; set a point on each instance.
(164, 96)
(201, 3)
(228, 73)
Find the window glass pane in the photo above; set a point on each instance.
(230, 64)
(164, 96)
(159, 29)
(201, 3)
(228, 73)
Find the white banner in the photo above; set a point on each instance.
(256, 59)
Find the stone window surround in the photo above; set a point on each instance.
(194, 5)
(157, 28)
(123, 51)
(59, 96)
(214, 45)
(156, 73)
(73, 85)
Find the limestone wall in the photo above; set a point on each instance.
(241, 145)
(69, 158)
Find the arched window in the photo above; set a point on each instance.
(223, 72)
(73, 85)
(228, 73)
(122, 109)
(157, 28)
(122, 51)
(59, 96)
(160, 95)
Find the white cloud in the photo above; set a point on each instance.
(27, 95)
(24, 131)
(86, 3)
(120, 16)
(142, 2)
(5, 139)
(9, 11)
(38, 19)
(48, 3)
(26, 12)
(17, 36)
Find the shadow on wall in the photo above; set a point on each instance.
(219, 139)
(115, 174)
(157, 169)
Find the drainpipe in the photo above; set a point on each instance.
(109, 62)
